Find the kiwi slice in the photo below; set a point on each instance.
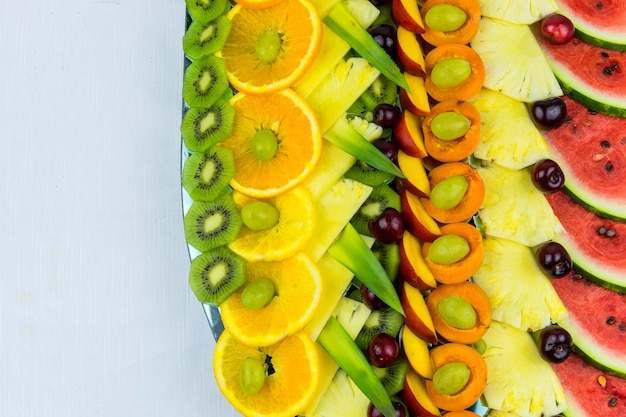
(205, 10)
(392, 377)
(203, 127)
(359, 109)
(380, 91)
(216, 274)
(209, 224)
(367, 174)
(206, 174)
(202, 39)
(389, 256)
(381, 197)
(386, 320)
(205, 81)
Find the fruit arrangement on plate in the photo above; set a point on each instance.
(409, 208)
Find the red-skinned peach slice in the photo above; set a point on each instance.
(407, 14)
(412, 267)
(416, 180)
(416, 398)
(416, 99)
(416, 314)
(410, 52)
(416, 219)
(417, 352)
(408, 135)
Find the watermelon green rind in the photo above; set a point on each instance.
(602, 26)
(591, 98)
(595, 203)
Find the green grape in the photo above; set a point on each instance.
(258, 294)
(457, 312)
(480, 346)
(251, 375)
(259, 215)
(264, 144)
(450, 72)
(445, 17)
(448, 249)
(268, 46)
(450, 125)
(449, 192)
(451, 377)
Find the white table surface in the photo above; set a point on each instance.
(96, 317)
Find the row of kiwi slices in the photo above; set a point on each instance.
(213, 220)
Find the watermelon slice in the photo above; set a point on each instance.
(601, 23)
(594, 76)
(589, 391)
(590, 147)
(596, 245)
(600, 337)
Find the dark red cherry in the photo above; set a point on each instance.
(548, 176)
(379, 3)
(557, 29)
(400, 408)
(383, 350)
(388, 227)
(387, 147)
(370, 299)
(555, 343)
(386, 115)
(385, 36)
(554, 259)
(549, 114)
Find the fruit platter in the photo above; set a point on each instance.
(409, 207)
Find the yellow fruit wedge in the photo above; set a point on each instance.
(333, 211)
(341, 398)
(339, 89)
(324, 6)
(352, 315)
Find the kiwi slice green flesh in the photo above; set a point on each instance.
(367, 174)
(381, 197)
(202, 39)
(359, 109)
(392, 377)
(205, 10)
(205, 81)
(209, 224)
(380, 91)
(206, 174)
(203, 127)
(385, 320)
(216, 274)
(389, 256)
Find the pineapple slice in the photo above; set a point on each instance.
(517, 11)
(514, 62)
(342, 398)
(508, 135)
(352, 315)
(341, 87)
(514, 208)
(519, 292)
(519, 380)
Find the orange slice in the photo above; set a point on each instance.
(288, 391)
(298, 286)
(287, 237)
(257, 4)
(270, 48)
(297, 138)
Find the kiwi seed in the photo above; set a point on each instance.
(209, 224)
(216, 274)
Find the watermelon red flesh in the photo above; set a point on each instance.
(596, 320)
(598, 257)
(590, 147)
(589, 392)
(593, 75)
(600, 22)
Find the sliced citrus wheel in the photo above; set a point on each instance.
(270, 48)
(297, 285)
(284, 239)
(257, 4)
(276, 142)
(293, 368)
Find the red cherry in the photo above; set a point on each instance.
(388, 227)
(557, 28)
(383, 350)
(400, 409)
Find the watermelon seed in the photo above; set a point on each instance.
(604, 54)
(610, 233)
(601, 230)
(602, 381)
(592, 112)
(608, 166)
(605, 144)
(599, 5)
(613, 402)
(622, 326)
(577, 277)
(611, 320)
